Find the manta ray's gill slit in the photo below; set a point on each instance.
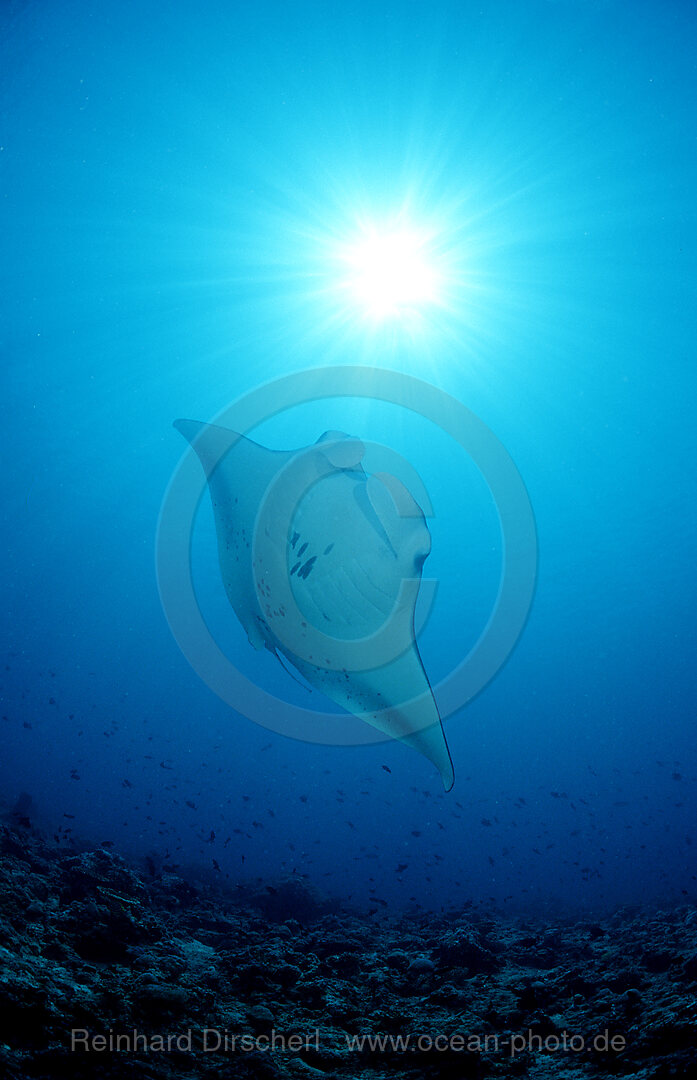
(344, 599)
(325, 593)
(367, 588)
(314, 601)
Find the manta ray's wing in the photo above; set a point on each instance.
(239, 472)
(323, 563)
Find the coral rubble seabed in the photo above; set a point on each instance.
(270, 981)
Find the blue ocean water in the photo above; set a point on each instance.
(177, 185)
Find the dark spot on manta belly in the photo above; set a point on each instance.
(294, 568)
(328, 549)
(296, 537)
(306, 568)
(302, 549)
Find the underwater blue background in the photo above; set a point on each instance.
(175, 181)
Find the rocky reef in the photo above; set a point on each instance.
(109, 971)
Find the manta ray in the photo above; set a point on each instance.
(321, 563)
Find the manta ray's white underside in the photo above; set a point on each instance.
(322, 563)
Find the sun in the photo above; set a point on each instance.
(390, 273)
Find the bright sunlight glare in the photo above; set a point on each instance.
(390, 274)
